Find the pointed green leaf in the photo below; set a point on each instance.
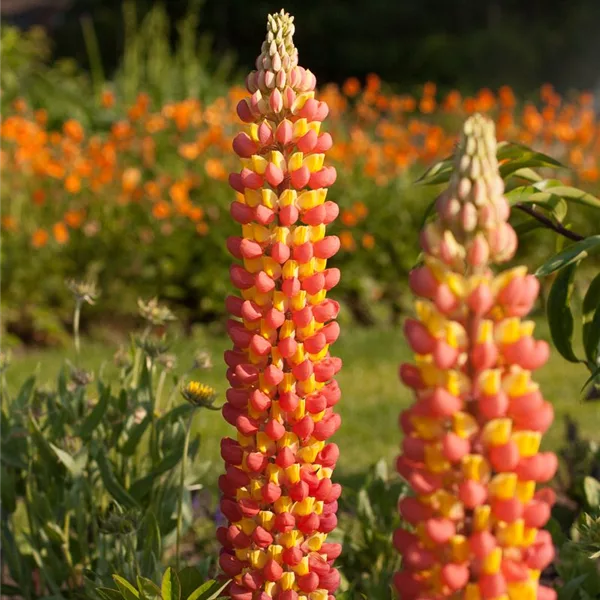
(591, 490)
(10, 590)
(95, 417)
(560, 317)
(209, 591)
(528, 174)
(114, 488)
(573, 253)
(46, 452)
(591, 319)
(66, 459)
(22, 399)
(572, 194)
(170, 586)
(438, 173)
(148, 589)
(513, 152)
(127, 590)
(142, 486)
(595, 375)
(134, 437)
(567, 591)
(109, 593)
(190, 579)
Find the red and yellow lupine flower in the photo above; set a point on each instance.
(278, 496)
(471, 446)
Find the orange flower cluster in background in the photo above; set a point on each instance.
(163, 161)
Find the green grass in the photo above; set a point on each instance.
(372, 396)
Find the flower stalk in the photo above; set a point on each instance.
(278, 496)
(471, 438)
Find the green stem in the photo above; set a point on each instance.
(186, 446)
(76, 316)
(4, 395)
(138, 358)
(159, 388)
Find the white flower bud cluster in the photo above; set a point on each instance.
(472, 228)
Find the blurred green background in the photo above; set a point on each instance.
(467, 43)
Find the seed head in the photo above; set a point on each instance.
(155, 313)
(202, 360)
(83, 291)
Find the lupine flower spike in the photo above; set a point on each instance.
(278, 496)
(471, 439)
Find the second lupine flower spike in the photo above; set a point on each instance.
(278, 496)
(472, 437)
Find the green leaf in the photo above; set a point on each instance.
(209, 591)
(567, 592)
(574, 253)
(95, 417)
(190, 579)
(591, 491)
(148, 589)
(591, 319)
(514, 152)
(438, 173)
(67, 460)
(134, 437)
(560, 317)
(114, 488)
(571, 194)
(127, 590)
(46, 452)
(152, 552)
(109, 593)
(142, 486)
(428, 212)
(595, 374)
(10, 590)
(528, 174)
(170, 586)
(22, 399)
(8, 492)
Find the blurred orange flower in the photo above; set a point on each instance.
(39, 238)
(74, 218)
(161, 210)
(368, 241)
(351, 87)
(38, 197)
(347, 241)
(202, 228)
(61, 233)
(107, 99)
(215, 169)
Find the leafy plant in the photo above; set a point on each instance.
(92, 470)
(368, 518)
(187, 584)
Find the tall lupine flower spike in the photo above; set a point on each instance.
(278, 496)
(471, 439)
